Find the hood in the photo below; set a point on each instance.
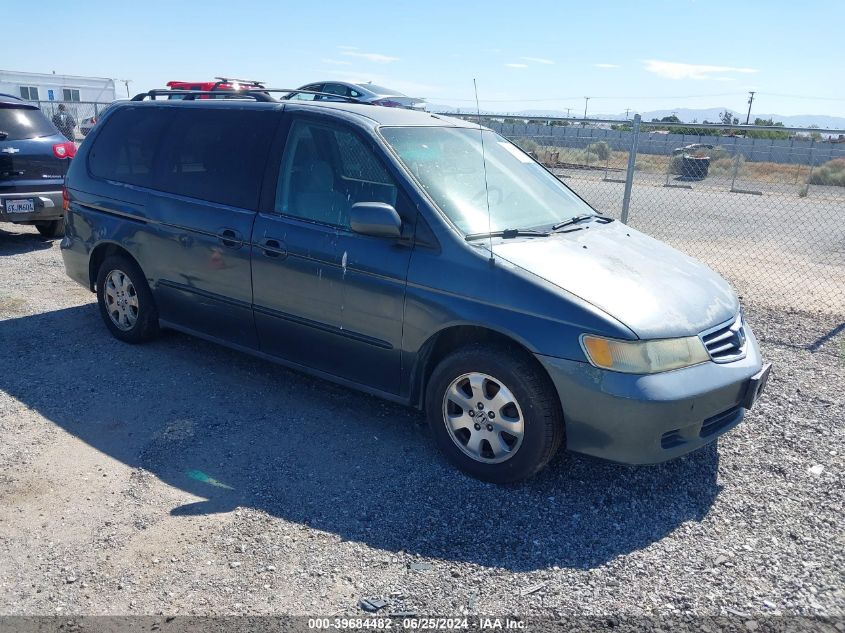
(655, 290)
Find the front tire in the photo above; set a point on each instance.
(125, 300)
(52, 229)
(494, 413)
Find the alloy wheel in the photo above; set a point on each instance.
(121, 300)
(483, 418)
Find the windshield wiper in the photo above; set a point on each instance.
(575, 220)
(508, 233)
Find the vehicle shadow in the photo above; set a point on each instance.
(237, 431)
(15, 243)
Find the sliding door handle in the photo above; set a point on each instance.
(272, 247)
(230, 238)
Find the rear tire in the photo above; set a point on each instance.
(125, 300)
(494, 413)
(55, 228)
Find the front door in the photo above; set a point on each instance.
(325, 297)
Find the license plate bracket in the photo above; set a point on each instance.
(756, 385)
(20, 205)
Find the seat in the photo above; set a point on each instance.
(319, 201)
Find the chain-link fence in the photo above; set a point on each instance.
(764, 206)
(80, 116)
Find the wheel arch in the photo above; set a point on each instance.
(452, 337)
(99, 255)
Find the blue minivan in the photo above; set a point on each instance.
(423, 259)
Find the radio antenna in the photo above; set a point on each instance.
(484, 164)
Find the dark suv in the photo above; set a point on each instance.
(423, 259)
(34, 158)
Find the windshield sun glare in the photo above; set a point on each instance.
(449, 164)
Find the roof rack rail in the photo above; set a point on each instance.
(259, 94)
(252, 82)
(190, 95)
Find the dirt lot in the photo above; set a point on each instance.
(181, 478)
(777, 248)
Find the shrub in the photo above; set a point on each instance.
(725, 167)
(600, 149)
(832, 173)
(527, 144)
(675, 164)
(803, 191)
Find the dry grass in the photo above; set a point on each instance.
(657, 164)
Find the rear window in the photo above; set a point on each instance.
(216, 155)
(125, 148)
(17, 124)
(381, 90)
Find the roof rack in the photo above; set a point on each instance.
(229, 80)
(259, 94)
(190, 95)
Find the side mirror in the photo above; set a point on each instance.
(375, 218)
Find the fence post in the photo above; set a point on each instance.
(736, 171)
(806, 187)
(629, 175)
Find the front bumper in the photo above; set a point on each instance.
(643, 419)
(48, 207)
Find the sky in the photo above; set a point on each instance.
(524, 56)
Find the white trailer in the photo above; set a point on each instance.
(46, 87)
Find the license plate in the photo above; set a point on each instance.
(756, 385)
(26, 205)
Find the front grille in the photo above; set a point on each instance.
(726, 342)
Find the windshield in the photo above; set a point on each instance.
(17, 124)
(448, 163)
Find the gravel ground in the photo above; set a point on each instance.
(182, 478)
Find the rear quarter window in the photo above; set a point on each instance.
(125, 148)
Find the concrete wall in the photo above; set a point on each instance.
(756, 150)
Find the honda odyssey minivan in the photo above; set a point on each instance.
(423, 259)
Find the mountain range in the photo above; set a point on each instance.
(687, 115)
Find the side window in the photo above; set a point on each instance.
(217, 155)
(325, 170)
(336, 89)
(70, 94)
(125, 148)
(300, 96)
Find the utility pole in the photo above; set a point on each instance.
(126, 83)
(750, 101)
(586, 101)
(627, 110)
(567, 112)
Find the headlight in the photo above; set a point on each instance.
(644, 357)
